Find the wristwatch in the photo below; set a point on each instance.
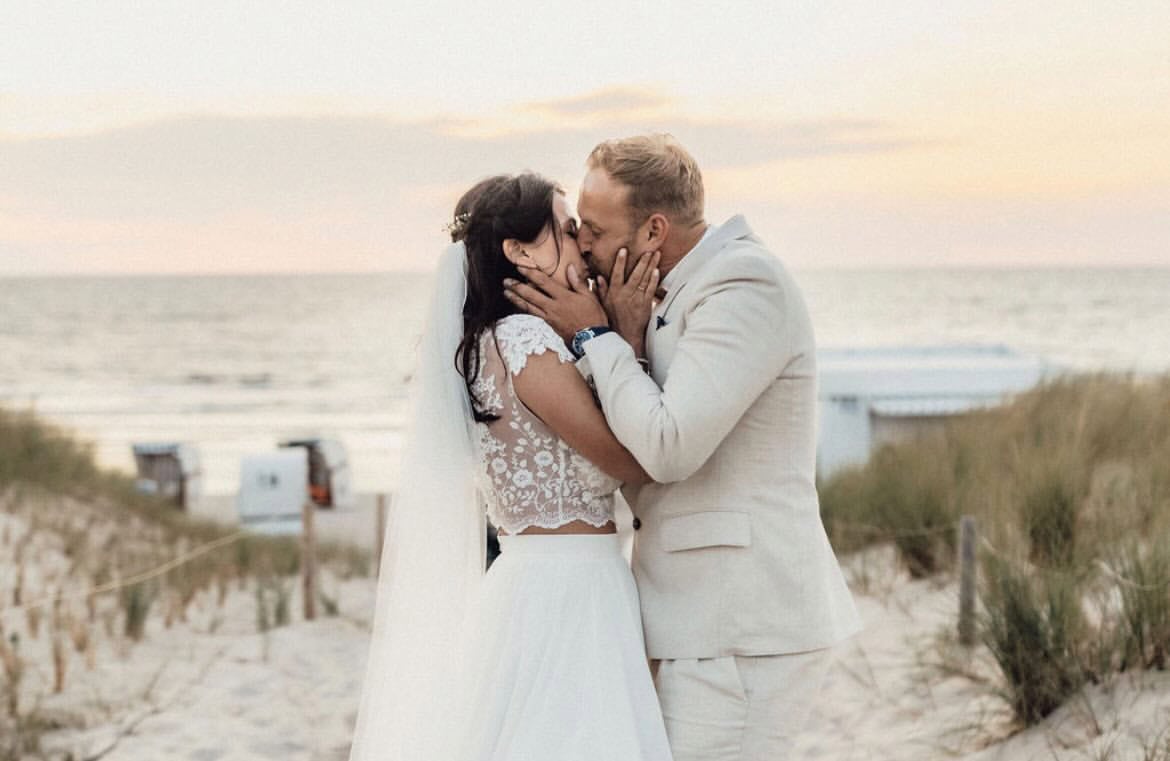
(583, 335)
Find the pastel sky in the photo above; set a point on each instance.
(264, 136)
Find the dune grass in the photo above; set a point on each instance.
(1145, 605)
(1070, 485)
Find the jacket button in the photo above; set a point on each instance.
(637, 523)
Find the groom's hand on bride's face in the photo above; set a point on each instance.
(567, 310)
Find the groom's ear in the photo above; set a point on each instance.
(657, 228)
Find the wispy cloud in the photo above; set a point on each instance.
(610, 102)
(193, 167)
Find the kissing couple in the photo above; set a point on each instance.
(686, 378)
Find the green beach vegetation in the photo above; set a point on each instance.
(1070, 486)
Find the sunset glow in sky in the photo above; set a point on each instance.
(223, 136)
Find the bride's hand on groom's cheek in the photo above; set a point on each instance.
(567, 310)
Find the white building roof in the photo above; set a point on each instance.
(927, 374)
(928, 406)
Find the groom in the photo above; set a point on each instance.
(715, 395)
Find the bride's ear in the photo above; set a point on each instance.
(514, 252)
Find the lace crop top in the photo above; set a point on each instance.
(528, 474)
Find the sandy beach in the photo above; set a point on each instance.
(214, 687)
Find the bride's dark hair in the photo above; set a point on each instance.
(493, 210)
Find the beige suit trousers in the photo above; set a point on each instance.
(738, 708)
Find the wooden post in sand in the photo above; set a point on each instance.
(967, 579)
(309, 559)
(379, 532)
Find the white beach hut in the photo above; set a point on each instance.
(868, 397)
(274, 488)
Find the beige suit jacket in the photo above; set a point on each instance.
(731, 557)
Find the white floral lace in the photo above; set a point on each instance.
(529, 475)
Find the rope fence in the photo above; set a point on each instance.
(887, 534)
(1108, 570)
(985, 544)
(129, 581)
(308, 571)
(1113, 574)
(968, 538)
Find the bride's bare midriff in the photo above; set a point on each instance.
(576, 527)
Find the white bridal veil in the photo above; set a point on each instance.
(433, 558)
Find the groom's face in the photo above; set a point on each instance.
(606, 223)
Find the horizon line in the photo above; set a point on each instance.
(1029, 267)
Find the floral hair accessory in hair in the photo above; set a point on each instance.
(458, 226)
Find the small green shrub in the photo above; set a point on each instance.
(1035, 630)
(329, 604)
(136, 602)
(280, 610)
(263, 619)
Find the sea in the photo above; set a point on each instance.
(235, 364)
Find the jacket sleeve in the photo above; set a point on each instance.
(732, 346)
(584, 369)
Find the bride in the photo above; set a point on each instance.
(542, 656)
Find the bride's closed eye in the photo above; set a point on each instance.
(571, 229)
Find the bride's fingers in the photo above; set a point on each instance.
(514, 290)
(638, 275)
(651, 261)
(652, 287)
(541, 280)
(602, 287)
(575, 281)
(618, 275)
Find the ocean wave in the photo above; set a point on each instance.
(243, 380)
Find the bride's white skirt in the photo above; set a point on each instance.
(555, 658)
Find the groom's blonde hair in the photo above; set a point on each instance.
(660, 174)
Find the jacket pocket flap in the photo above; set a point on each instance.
(711, 528)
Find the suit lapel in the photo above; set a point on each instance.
(732, 229)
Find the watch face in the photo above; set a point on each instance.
(579, 341)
